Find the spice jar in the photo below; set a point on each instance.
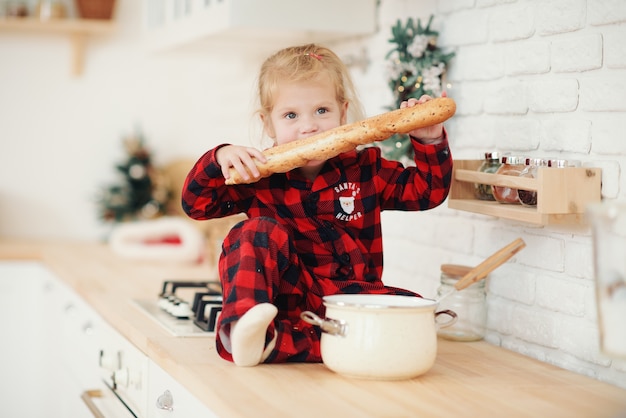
(529, 197)
(490, 165)
(16, 9)
(511, 166)
(469, 304)
(50, 9)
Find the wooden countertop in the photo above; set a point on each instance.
(468, 379)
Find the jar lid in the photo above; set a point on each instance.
(455, 271)
(493, 155)
(537, 162)
(557, 163)
(512, 160)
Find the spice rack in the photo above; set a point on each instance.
(76, 29)
(562, 193)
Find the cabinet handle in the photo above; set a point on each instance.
(88, 328)
(165, 402)
(87, 397)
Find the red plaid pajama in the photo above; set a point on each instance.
(260, 264)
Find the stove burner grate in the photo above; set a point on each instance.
(203, 312)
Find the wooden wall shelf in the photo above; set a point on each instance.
(562, 193)
(76, 29)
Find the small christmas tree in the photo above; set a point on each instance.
(141, 193)
(416, 66)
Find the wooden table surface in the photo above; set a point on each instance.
(469, 379)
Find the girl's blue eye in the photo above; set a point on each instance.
(322, 110)
(290, 115)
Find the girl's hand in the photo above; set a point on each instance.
(430, 134)
(241, 159)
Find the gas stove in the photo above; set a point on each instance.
(185, 308)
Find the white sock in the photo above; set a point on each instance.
(247, 335)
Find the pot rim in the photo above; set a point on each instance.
(374, 301)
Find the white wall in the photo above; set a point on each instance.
(544, 78)
(61, 135)
(538, 77)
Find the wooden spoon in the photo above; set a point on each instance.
(483, 269)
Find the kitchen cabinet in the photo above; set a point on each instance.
(562, 193)
(167, 397)
(19, 359)
(32, 358)
(76, 30)
(265, 25)
(63, 360)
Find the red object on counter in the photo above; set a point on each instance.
(165, 240)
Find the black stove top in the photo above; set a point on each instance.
(186, 307)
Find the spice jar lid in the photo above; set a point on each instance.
(557, 163)
(455, 271)
(493, 155)
(512, 160)
(537, 162)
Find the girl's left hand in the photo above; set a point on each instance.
(430, 134)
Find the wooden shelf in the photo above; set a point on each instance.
(76, 29)
(562, 193)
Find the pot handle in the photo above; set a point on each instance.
(451, 321)
(330, 326)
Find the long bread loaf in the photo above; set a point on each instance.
(328, 144)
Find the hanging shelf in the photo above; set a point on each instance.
(562, 193)
(266, 25)
(78, 30)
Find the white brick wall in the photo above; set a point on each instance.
(550, 94)
(558, 16)
(602, 12)
(577, 53)
(615, 47)
(604, 92)
(572, 135)
(531, 57)
(543, 77)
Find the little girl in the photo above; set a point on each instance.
(315, 230)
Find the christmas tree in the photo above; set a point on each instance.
(141, 192)
(416, 67)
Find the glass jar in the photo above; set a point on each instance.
(469, 304)
(50, 9)
(529, 197)
(511, 166)
(16, 8)
(490, 165)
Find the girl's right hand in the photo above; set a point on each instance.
(241, 159)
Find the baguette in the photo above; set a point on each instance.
(328, 144)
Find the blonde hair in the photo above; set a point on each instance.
(303, 63)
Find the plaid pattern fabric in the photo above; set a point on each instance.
(306, 239)
(261, 264)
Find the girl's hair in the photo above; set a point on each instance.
(302, 63)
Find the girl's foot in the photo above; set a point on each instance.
(247, 335)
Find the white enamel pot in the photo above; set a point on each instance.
(386, 337)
